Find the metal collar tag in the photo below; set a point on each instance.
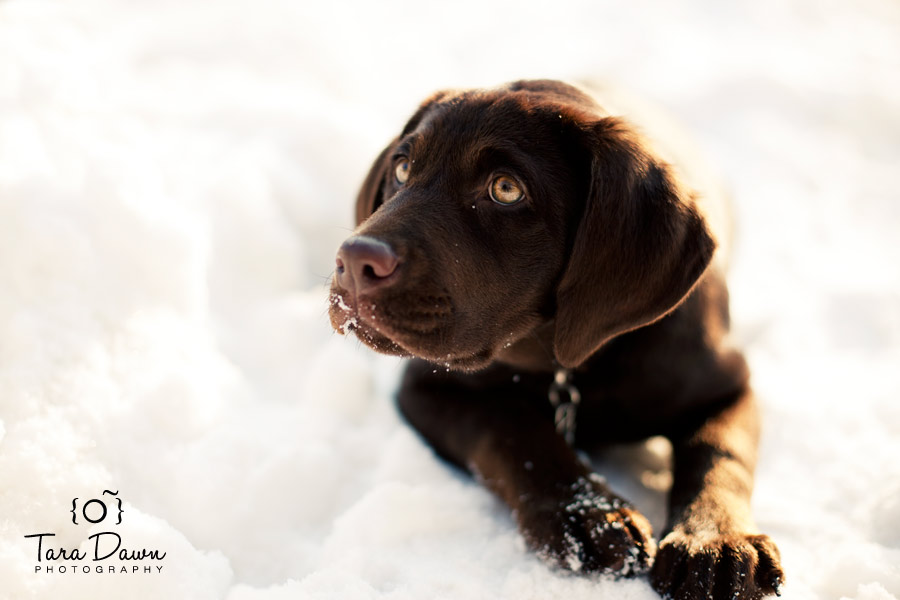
(564, 397)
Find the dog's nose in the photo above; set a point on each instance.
(364, 263)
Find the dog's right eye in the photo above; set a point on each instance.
(505, 190)
(401, 171)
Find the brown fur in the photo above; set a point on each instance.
(603, 268)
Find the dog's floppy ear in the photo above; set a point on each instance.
(639, 249)
(370, 195)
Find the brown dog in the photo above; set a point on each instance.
(553, 280)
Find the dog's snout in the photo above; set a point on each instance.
(365, 263)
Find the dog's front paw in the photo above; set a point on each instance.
(591, 530)
(717, 566)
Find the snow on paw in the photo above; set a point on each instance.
(591, 531)
(717, 567)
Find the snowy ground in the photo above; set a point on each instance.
(175, 177)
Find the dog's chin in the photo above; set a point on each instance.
(408, 340)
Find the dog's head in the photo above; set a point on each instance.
(498, 212)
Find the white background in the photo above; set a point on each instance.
(175, 177)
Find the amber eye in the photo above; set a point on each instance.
(505, 190)
(401, 171)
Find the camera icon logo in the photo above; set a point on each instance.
(95, 510)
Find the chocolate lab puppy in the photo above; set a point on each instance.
(554, 282)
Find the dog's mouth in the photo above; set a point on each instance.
(409, 325)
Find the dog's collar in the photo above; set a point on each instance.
(564, 397)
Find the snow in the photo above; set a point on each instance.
(176, 176)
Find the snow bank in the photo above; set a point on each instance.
(174, 180)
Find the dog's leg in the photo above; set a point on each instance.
(564, 512)
(713, 548)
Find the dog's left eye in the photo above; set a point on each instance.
(401, 171)
(505, 190)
